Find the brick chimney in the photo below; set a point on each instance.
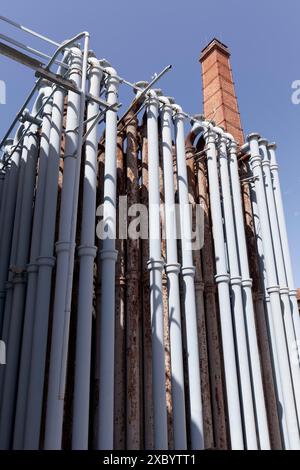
(219, 98)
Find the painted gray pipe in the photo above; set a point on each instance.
(172, 270)
(108, 257)
(8, 216)
(284, 291)
(258, 390)
(269, 320)
(86, 252)
(18, 294)
(273, 290)
(155, 267)
(45, 262)
(32, 273)
(188, 275)
(237, 301)
(64, 249)
(284, 241)
(222, 280)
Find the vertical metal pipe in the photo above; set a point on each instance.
(8, 213)
(46, 263)
(18, 294)
(273, 290)
(269, 321)
(237, 301)
(188, 274)
(172, 270)
(284, 241)
(222, 280)
(133, 298)
(108, 257)
(32, 269)
(284, 290)
(64, 251)
(155, 267)
(259, 400)
(86, 253)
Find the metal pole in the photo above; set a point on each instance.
(108, 257)
(273, 290)
(284, 291)
(172, 270)
(46, 262)
(284, 241)
(222, 280)
(188, 274)
(261, 414)
(64, 250)
(86, 252)
(237, 301)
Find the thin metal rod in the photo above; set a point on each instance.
(29, 31)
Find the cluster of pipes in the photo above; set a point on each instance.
(142, 343)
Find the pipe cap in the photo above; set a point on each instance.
(253, 135)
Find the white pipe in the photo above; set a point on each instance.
(64, 246)
(46, 263)
(86, 252)
(260, 405)
(284, 241)
(32, 269)
(273, 290)
(188, 274)
(155, 267)
(8, 219)
(237, 301)
(222, 280)
(18, 295)
(284, 291)
(269, 320)
(172, 270)
(108, 257)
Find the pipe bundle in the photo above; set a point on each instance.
(117, 341)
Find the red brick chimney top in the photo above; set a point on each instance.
(214, 44)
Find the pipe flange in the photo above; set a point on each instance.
(46, 261)
(273, 289)
(64, 246)
(236, 281)
(293, 293)
(106, 254)
(188, 271)
(272, 146)
(253, 136)
(172, 268)
(224, 277)
(263, 142)
(155, 265)
(247, 282)
(284, 290)
(274, 166)
(87, 250)
(32, 268)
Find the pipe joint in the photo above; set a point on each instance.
(236, 281)
(293, 293)
(109, 255)
(247, 282)
(87, 250)
(32, 268)
(272, 289)
(172, 268)
(222, 277)
(46, 261)
(188, 271)
(63, 246)
(284, 290)
(155, 265)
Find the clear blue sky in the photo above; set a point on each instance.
(140, 38)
